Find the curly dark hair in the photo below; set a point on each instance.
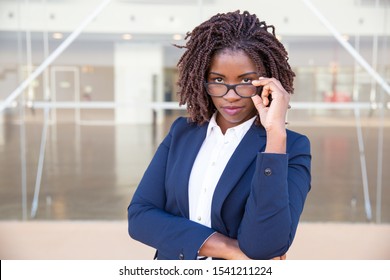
(228, 31)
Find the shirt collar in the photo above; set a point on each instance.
(239, 130)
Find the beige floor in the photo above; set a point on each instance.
(109, 240)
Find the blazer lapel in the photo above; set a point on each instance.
(253, 142)
(193, 143)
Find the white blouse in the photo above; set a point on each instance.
(209, 164)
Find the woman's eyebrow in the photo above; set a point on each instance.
(242, 75)
(215, 73)
(248, 73)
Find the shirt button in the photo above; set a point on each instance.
(199, 218)
(181, 256)
(267, 171)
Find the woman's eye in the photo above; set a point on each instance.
(218, 80)
(246, 80)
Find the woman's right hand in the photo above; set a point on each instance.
(221, 246)
(281, 258)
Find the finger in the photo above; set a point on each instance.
(258, 102)
(266, 92)
(264, 95)
(281, 258)
(275, 84)
(271, 86)
(261, 81)
(256, 83)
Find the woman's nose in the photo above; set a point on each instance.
(231, 95)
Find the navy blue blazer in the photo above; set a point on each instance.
(258, 199)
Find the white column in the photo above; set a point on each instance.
(2, 132)
(138, 81)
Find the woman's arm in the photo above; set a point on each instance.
(280, 183)
(223, 247)
(173, 235)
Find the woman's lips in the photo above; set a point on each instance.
(232, 110)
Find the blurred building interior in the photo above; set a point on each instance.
(88, 91)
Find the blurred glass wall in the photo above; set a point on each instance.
(88, 90)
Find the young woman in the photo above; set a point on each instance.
(229, 181)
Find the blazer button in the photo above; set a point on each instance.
(181, 256)
(267, 172)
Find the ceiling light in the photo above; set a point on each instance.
(58, 35)
(177, 37)
(127, 36)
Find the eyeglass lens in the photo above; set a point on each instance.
(244, 90)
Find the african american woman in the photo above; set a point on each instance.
(229, 181)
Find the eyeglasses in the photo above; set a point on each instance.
(242, 90)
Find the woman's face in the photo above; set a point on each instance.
(232, 67)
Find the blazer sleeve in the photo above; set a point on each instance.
(174, 236)
(278, 192)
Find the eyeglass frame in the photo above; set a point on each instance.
(229, 87)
